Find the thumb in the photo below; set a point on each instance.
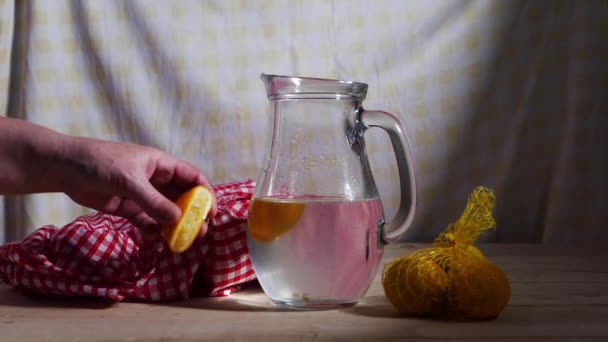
(155, 204)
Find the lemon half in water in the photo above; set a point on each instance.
(195, 205)
(268, 218)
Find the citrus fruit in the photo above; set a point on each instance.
(416, 286)
(195, 205)
(478, 290)
(270, 218)
(452, 278)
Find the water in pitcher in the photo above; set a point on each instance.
(311, 252)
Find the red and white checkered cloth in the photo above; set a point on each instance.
(106, 256)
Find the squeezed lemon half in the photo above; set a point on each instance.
(195, 205)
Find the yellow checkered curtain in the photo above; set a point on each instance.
(506, 94)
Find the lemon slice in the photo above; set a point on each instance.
(268, 219)
(195, 205)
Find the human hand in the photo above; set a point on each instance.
(136, 182)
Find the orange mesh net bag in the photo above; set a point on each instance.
(452, 278)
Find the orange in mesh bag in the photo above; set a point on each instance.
(451, 279)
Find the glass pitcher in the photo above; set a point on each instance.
(316, 227)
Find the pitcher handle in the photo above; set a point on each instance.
(396, 228)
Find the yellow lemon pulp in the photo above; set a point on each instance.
(195, 205)
(270, 218)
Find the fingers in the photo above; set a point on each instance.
(186, 175)
(163, 174)
(135, 182)
(169, 179)
(128, 209)
(154, 204)
(174, 177)
(204, 229)
(117, 206)
(150, 230)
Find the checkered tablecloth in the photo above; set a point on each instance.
(103, 255)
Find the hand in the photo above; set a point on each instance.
(136, 182)
(128, 180)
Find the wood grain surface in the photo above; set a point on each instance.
(559, 293)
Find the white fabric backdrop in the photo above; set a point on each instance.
(506, 94)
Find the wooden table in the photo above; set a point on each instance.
(559, 293)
